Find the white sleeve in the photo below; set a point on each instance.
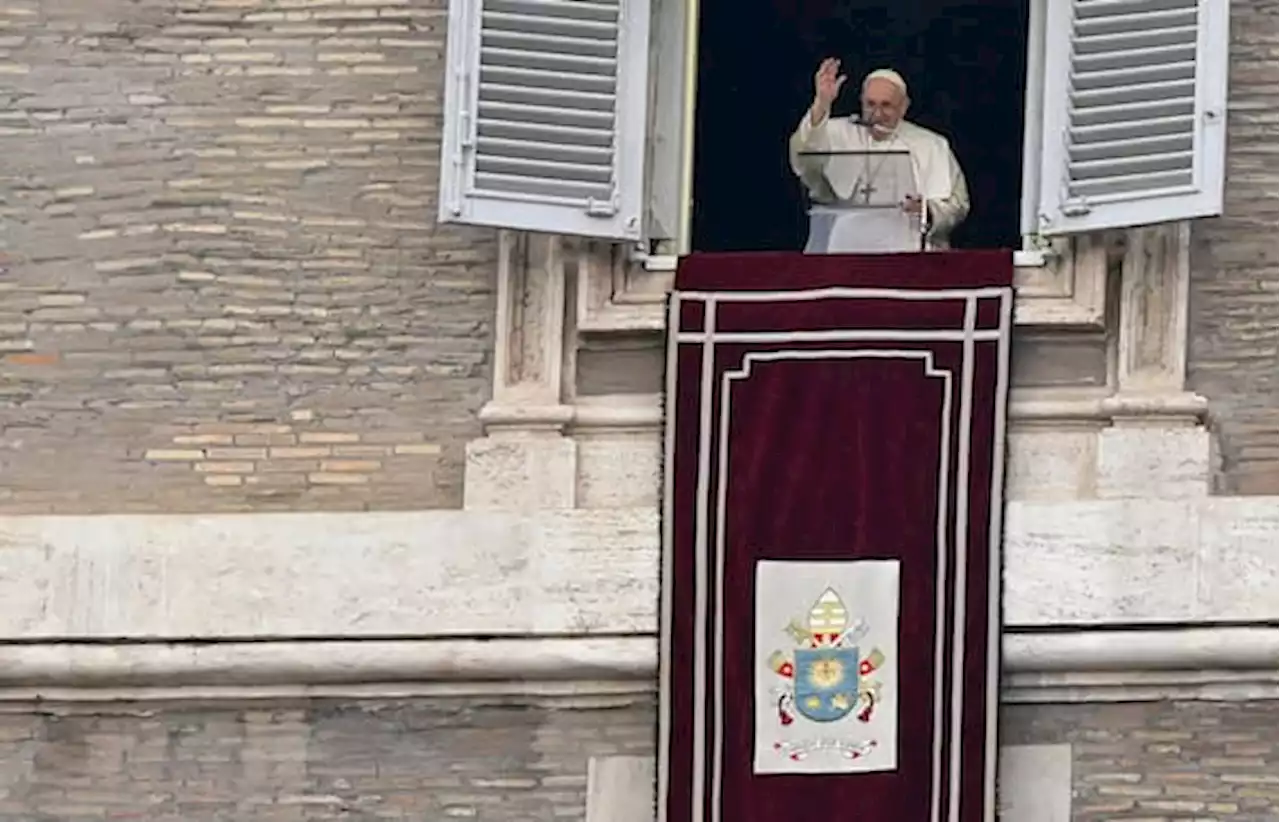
(807, 132)
(809, 137)
(945, 213)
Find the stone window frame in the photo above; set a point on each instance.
(554, 291)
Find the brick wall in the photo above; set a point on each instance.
(498, 760)
(225, 288)
(421, 760)
(1158, 762)
(1234, 316)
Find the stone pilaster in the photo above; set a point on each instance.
(525, 461)
(1157, 444)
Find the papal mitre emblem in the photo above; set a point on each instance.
(828, 617)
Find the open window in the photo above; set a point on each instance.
(565, 116)
(963, 61)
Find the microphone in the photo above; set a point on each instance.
(862, 122)
(858, 120)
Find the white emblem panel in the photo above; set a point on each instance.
(826, 666)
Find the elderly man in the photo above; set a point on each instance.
(940, 195)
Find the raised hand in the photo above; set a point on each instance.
(826, 87)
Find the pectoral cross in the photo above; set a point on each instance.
(866, 190)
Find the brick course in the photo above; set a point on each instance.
(1161, 761)
(1233, 312)
(225, 287)
(507, 759)
(483, 759)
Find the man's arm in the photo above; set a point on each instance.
(947, 213)
(809, 136)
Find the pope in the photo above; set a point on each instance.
(941, 195)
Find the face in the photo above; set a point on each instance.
(883, 104)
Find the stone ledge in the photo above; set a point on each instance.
(1074, 666)
(570, 572)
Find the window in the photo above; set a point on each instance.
(567, 116)
(964, 63)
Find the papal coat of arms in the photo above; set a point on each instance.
(824, 678)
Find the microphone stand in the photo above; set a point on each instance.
(924, 225)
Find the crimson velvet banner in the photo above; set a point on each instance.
(832, 529)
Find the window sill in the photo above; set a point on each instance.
(1061, 288)
(1021, 259)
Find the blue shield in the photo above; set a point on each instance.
(826, 682)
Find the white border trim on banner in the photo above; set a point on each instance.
(708, 338)
(943, 486)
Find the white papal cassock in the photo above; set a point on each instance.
(937, 174)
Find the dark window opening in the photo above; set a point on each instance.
(965, 64)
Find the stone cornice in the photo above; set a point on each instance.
(1222, 662)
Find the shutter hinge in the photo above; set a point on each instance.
(459, 159)
(466, 137)
(1076, 207)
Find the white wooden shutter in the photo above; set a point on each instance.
(545, 108)
(1134, 113)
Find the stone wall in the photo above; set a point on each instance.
(498, 759)
(224, 288)
(1234, 316)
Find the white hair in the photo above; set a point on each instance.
(887, 74)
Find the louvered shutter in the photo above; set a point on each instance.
(1134, 113)
(545, 106)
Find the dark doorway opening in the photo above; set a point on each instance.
(965, 63)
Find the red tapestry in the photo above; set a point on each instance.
(831, 546)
